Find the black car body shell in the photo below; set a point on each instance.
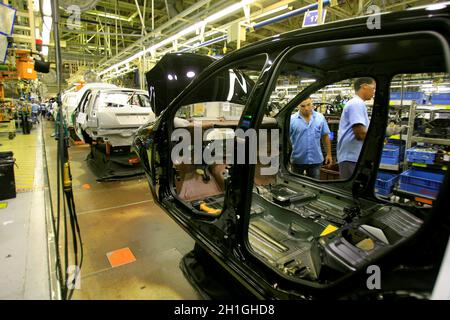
(226, 238)
(171, 75)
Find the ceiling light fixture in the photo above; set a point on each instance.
(436, 6)
(107, 15)
(197, 26)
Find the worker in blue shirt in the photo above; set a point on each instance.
(34, 111)
(307, 128)
(353, 126)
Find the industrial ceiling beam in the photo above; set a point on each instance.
(141, 18)
(104, 20)
(129, 7)
(108, 15)
(20, 38)
(338, 13)
(181, 27)
(133, 35)
(342, 12)
(138, 45)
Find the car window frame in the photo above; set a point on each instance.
(246, 200)
(291, 105)
(270, 86)
(84, 101)
(170, 112)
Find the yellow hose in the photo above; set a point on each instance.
(205, 208)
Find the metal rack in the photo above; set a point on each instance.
(7, 123)
(444, 142)
(390, 167)
(410, 138)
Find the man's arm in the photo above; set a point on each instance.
(394, 129)
(358, 120)
(327, 143)
(360, 131)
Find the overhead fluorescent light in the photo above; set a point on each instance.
(204, 44)
(214, 17)
(436, 6)
(288, 87)
(227, 11)
(107, 15)
(188, 43)
(406, 85)
(166, 41)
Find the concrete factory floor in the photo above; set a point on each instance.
(23, 234)
(117, 215)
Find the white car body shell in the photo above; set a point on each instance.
(70, 100)
(113, 123)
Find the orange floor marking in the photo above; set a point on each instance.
(86, 186)
(120, 257)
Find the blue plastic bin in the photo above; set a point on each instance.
(423, 191)
(386, 180)
(385, 183)
(389, 161)
(408, 95)
(421, 182)
(420, 156)
(392, 154)
(391, 151)
(383, 192)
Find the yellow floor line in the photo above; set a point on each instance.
(24, 150)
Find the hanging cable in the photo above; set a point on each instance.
(55, 223)
(65, 200)
(73, 257)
